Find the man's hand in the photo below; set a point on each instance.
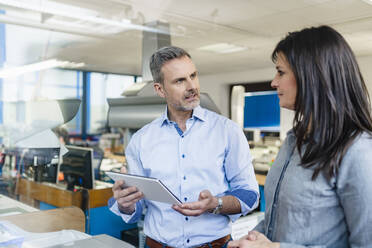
(126, 197)
(206, 202)
(254, 239)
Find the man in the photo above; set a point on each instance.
(202, 157)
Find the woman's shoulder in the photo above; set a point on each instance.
(362, 143)
(357, 159)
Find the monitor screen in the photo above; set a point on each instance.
(262, 110)
(39, 164)
(77, 167)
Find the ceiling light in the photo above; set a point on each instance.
(222, 48)
(368, 1)
(69, 11)
(43, 65)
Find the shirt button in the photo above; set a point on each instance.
(185, 198)
(183, 155)
(188, 241)
(184, 177)
(274, 205)
(187, 218)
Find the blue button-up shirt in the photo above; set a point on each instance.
(211, 154)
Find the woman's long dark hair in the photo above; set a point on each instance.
(332, 104)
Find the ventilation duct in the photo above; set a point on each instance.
(151, 42)
(135, 112)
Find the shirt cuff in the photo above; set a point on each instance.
(126, 217)
(248, 199)
(245, 209)
(234, 217)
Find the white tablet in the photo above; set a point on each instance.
(152, 188)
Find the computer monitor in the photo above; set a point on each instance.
(77, 167)
(40, 164)
(249, 134)
(262, 111)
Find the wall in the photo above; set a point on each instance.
(218, 87)
(365, 64)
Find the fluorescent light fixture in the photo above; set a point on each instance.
(69, 11)
(368, 1)
(47, 64)
(222, 48)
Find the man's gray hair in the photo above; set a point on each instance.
(161, 56)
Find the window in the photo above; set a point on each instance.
(53, 83)
(103, 86)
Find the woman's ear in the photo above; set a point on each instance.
(158, 87)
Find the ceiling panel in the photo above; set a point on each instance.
(276, 24)
(290, 5)
(219, 12)
(334, 12)
(256, 25)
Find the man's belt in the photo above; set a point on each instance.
(218, 243)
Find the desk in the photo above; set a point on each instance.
(9, 206)
(33, 220)
(59, 197)
(48, 221)
(261, 179)
(99, 219)
(119, 158)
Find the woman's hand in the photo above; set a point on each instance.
(254, 239)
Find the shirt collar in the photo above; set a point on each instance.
(164, 117)
(291, 136)
(198, 113)
(290, 132)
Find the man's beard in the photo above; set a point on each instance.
(183, 105)
(193, 104)
(189, 107)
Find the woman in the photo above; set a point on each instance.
(319, 189)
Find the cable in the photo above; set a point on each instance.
(86, 208)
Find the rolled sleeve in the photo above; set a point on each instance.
(248, 199)
(239, 171)
(245, 209)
